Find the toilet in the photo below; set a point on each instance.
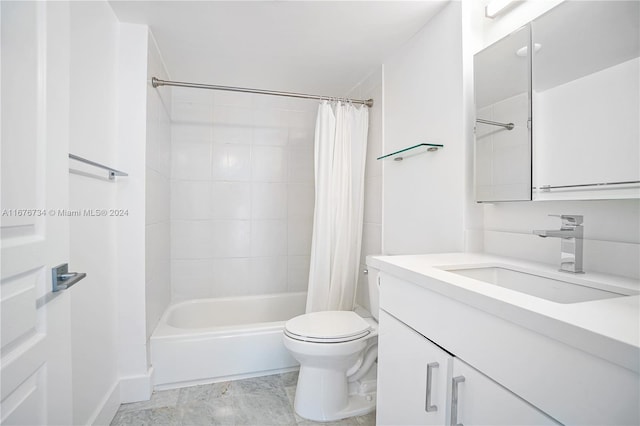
(337, 351)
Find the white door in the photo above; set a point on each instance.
(478, 400)
(412, 376)
(35, 372)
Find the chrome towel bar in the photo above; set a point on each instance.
(112, 172)
(508, 126)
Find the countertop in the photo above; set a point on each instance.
(607, 328)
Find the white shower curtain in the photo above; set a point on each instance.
(340, 152)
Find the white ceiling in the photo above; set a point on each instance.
(323, 47)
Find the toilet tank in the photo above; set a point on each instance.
(374, 291)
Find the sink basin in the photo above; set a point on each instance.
(555, 290)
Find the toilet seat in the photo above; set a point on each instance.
(327, 327)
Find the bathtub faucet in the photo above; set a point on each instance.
(570, 234)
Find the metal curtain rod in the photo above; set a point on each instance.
(155, 82)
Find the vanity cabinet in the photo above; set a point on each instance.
(512, 374)
(412, 385)
(420, 383)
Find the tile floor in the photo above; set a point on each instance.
(260, 401)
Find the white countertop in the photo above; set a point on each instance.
(607, 328)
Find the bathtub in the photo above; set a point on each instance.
(208, 340)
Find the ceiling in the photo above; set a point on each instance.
(323, 47)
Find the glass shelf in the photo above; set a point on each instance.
(411, 151)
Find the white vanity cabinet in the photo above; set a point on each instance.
(512, 374)
(412, 385)
(478, 400)
(419, 383)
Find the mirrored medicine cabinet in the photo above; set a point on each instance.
(562, 120)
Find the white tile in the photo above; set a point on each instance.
(371, 240)
(277, 136)
(191, 160)
(156, 197)
(301, 200)
(185, 94)
(191, 112)
(299, 235)
(268, 200)
(300, 164)
(163, 154)
(268, 164)
(268, 274)
(191, 239)
(231, 277)
(231, 162)
(232, 115)
(270, 117)
(231, 200)
(231, 238)
(268, 237)
(225, 133)
(233, 98)
(373, 200)
(277, 102)
(301, 136)
(297, 273)
(191, 279)
(190, 200)
(191, 132)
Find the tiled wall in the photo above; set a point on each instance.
(157, 206)
(242, 193)
(371, 88)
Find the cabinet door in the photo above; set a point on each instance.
(478, 400)
(412, 376)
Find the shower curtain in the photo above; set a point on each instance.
(340, 152)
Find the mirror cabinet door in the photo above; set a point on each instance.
(503, 112)
(586, 99)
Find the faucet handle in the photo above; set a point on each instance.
(570, 219)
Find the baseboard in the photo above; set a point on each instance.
(136, 388)
(108, 407)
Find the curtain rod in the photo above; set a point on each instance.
(155, 82)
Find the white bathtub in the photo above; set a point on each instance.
(208, 340)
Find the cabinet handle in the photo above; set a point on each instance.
(427, 406)
(454, 400)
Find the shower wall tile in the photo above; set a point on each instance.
(191, 239)
(191, 112)
(268, 274)
(231, 238)
(269, 164)
(299, 233)
(301, 200)
(268, 237)
(231, 200)
(231, 98)
(268, 200)
(231, 162)
(188, 95)
(254, 156)
(191, 160)
(191, 278)
(157, 205)
(190, 200)
(297, 273)
(300, 164)
(231, 277)
(270, 136)
(192, 132)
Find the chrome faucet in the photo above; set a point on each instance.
(571, 234)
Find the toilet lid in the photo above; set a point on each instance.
(327, 327)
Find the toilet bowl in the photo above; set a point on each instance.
(337, 351)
